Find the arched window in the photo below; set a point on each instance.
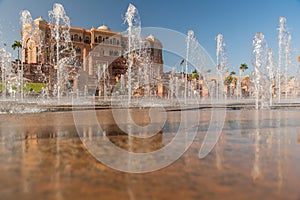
(78, 50)
(76, 37)
(87, 40)
(100, 39)
(114, 41)
(72, 37)
(80, 39)
(96, 40)
(37, 54)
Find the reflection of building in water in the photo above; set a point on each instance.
(129, 143)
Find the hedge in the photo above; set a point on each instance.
(36, 87)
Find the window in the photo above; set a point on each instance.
(118, 42)
(96, 40)
(78, 50)
(100, 39)
(114, 41)
(76, 37)
(37, 54)
(47, 54)
(111, 53)
(116, 53)
(87, 40)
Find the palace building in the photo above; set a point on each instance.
(39, 52)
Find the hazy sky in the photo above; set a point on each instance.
(237, 20)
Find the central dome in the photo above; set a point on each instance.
(40, 19)
(103, 27)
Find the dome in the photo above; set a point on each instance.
(151, 37)
(40, 19)
(103, 27)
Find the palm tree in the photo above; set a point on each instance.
(18, 45)
(229, 80)
(194, 75)
(243, 67)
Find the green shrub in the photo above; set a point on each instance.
(36, 87)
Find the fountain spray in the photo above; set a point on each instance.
(259, 62)
(27, 28)
(284, 57)
(60, 27)
(221, 66)
(188, 44)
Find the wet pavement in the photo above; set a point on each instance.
(257, 157)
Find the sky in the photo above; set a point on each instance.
(237, 20)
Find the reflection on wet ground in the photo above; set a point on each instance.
(257, 157)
